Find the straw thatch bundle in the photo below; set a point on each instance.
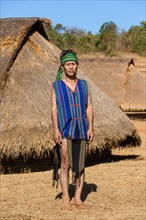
(29, 66)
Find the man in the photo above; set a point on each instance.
(72, 120)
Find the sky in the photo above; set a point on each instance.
(83, 14)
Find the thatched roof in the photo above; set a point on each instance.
(107, 73)
(14, 33)
(134, 90)
(117, 79)
(25, 108)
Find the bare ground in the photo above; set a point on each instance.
(113, 191)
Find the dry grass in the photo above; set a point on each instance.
(114, 191)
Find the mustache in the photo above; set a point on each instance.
(71, 71)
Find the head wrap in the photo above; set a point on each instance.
(63, 60)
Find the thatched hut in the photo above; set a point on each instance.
(29, 65)
(134, 90)
(121, 78)
(107, 73)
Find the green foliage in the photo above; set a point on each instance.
(107, 40)
(86, 43)
(58, 28)
(108, 35)
(70, 41)
(135, 39)
(55, 37)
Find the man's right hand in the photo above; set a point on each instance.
(58, 137)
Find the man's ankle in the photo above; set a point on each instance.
(77, 200)
(66, 199)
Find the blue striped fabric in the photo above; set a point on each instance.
(71, 106)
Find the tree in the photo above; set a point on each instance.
(108, 35)
(85, 43)
(107, 40)
(70, 41)
(77, 32)
(135, 39)
(59, 28)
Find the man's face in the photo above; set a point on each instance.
(70, 68)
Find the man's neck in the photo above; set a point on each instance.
(70, 79)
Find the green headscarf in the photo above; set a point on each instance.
(63, 60)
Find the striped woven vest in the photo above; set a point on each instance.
(71, 106)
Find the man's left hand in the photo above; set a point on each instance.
(90, 136)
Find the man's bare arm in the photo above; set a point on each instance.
(57, 134)
(89, 112)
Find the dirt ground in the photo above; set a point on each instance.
(112, 191)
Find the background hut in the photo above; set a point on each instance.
(29, 65)
(134, 90)
(107, 73)
(121, 78)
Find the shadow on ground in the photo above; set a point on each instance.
(21, 165)
(87, 189)
(116, 158)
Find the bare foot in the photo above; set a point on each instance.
(66, 206)
(79, 204)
